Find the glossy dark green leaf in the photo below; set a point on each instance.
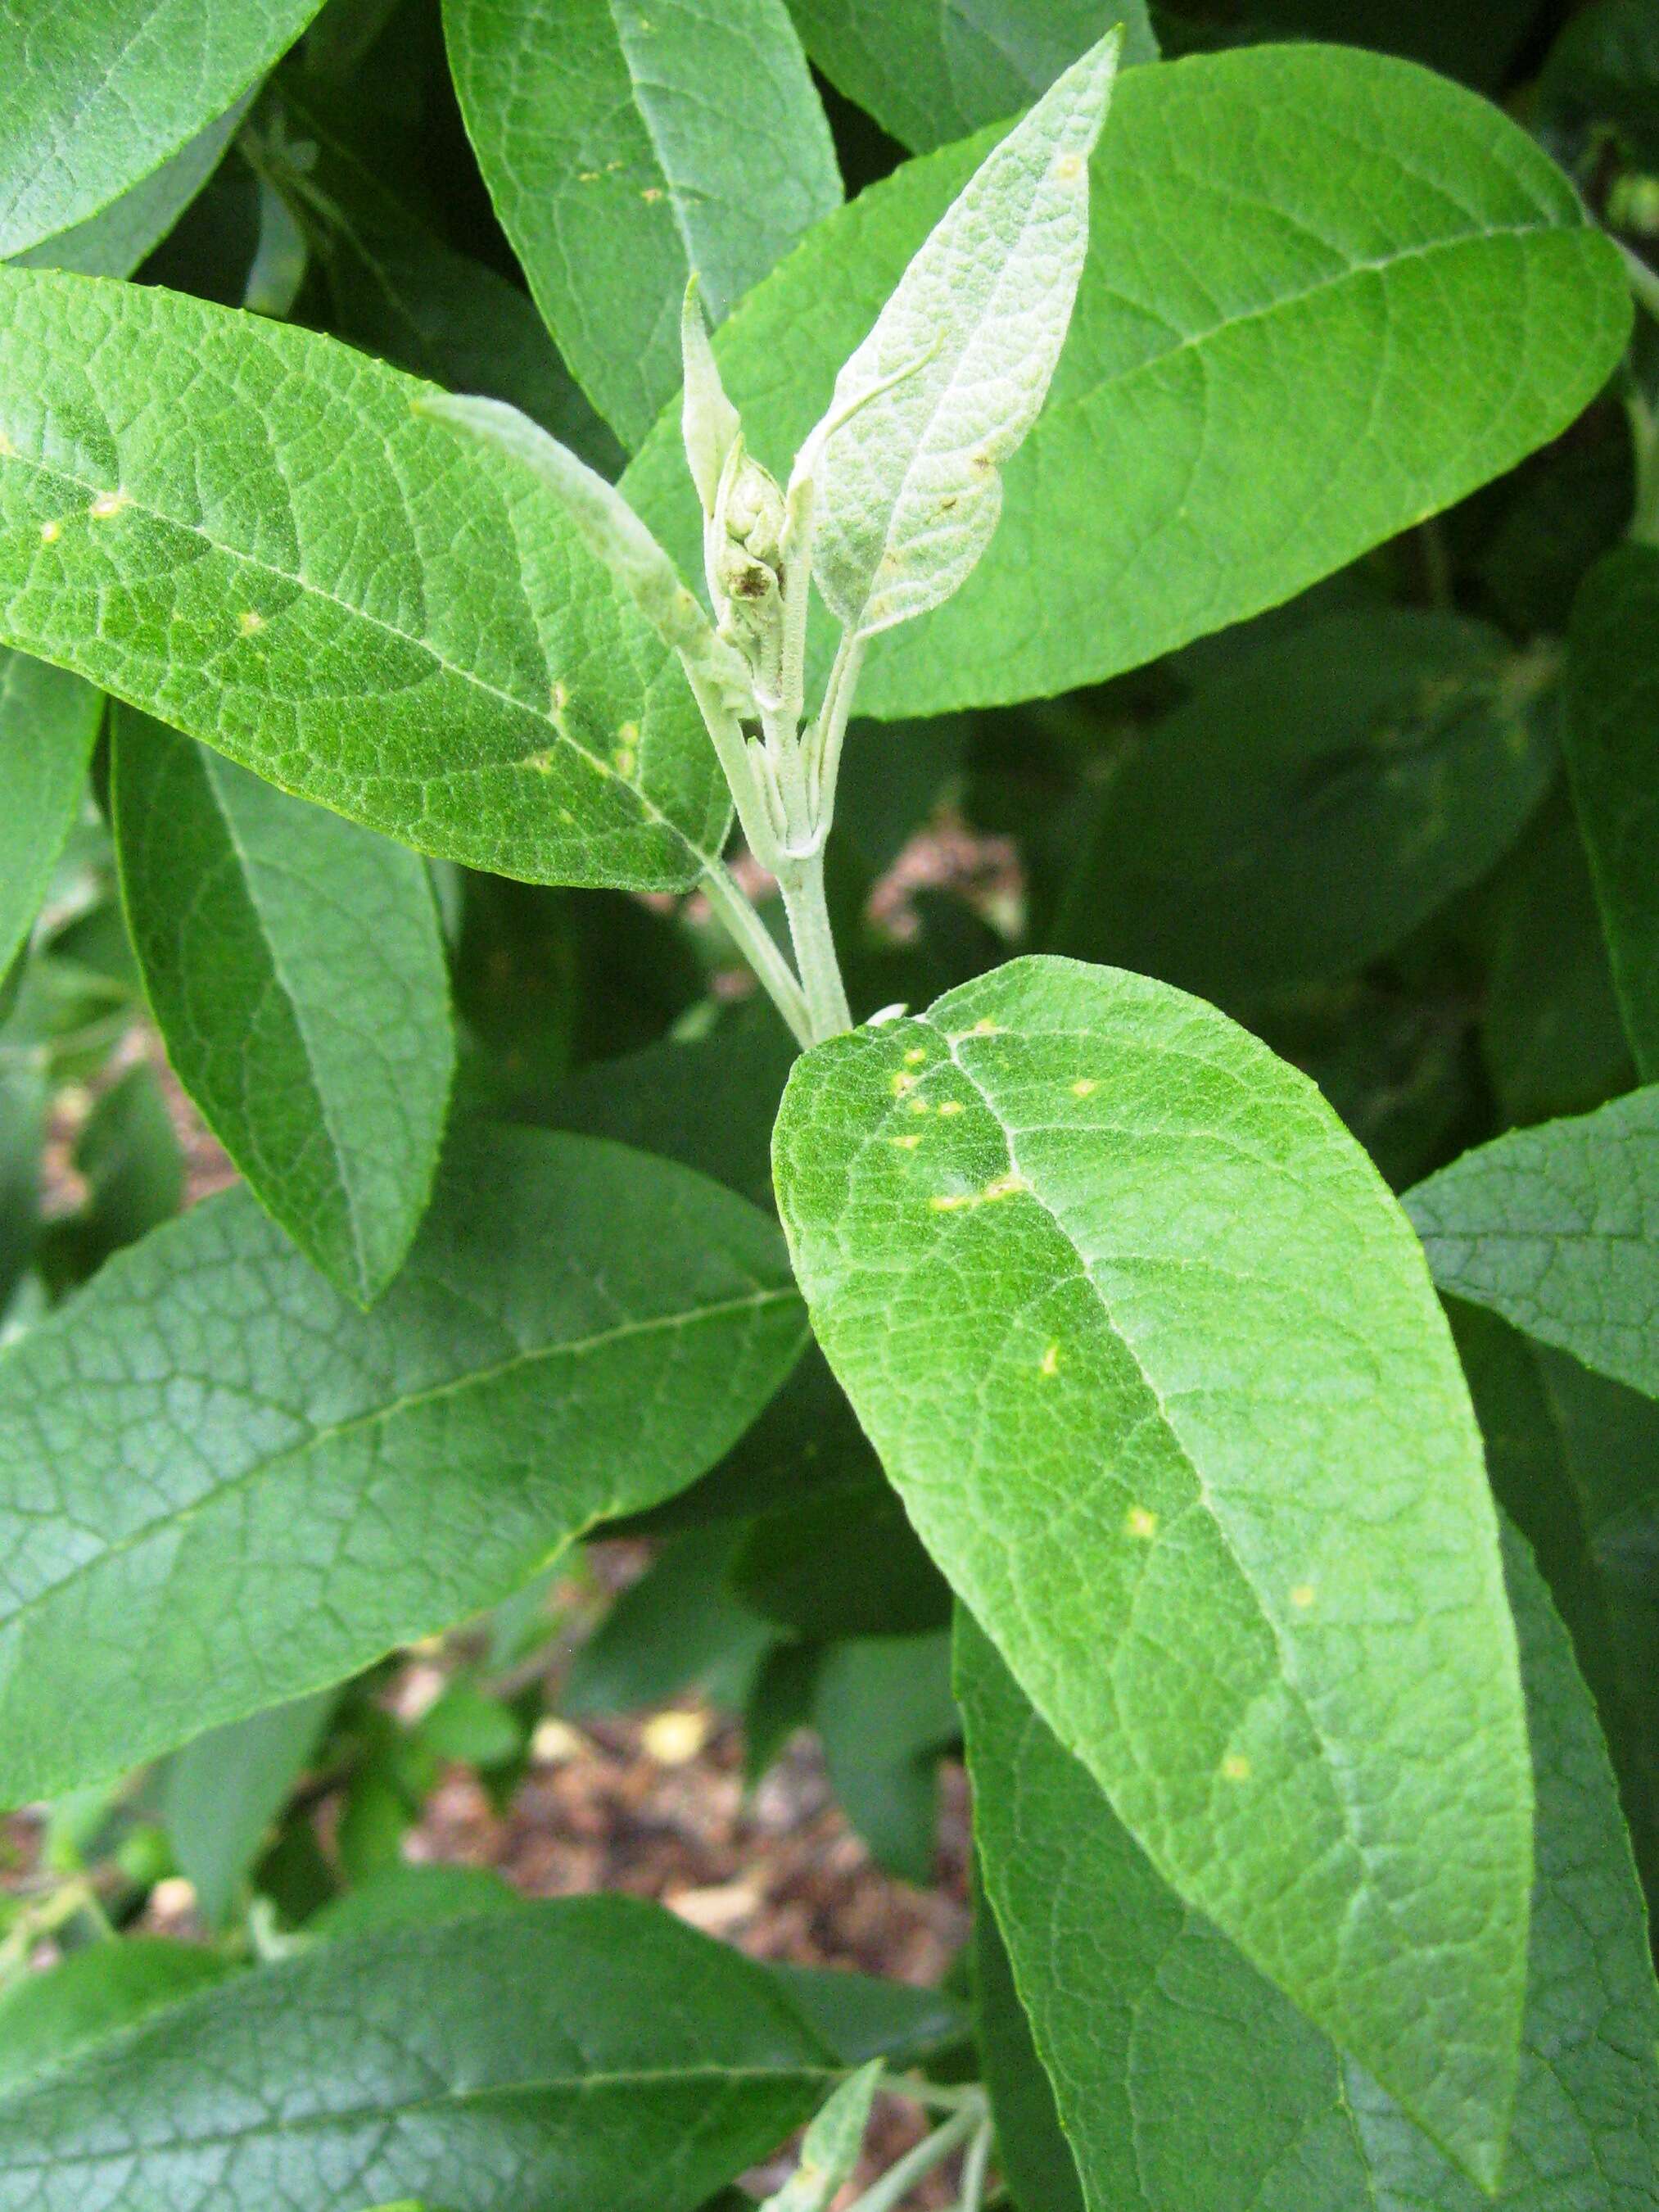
(95, 95)
(48, 2017)
(254, 1489)
(295, 967)
(294, 566)
(1557, 1229)
(587, 2055)
(221, 1793)
(1122, 1306)
(48, 722)
(1612, 738)
(1302, 814)
(1260, 216)
(930, 73)
(626, 146)
(1188, 2084)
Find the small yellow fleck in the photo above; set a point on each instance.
(1068, 167)
(628, 732)
(1085, 1087)
(587, 176)
(1140, 1522)
(920, 1106)
(951, 1106)
(8, 451)
(50, 533)
(985, 1027)
(543, 763)
(249, 622)
(1049, 1363)
(901, 1083)
(1004, 1187)
(950, 1201)
(909, 1144)
(916, 1054)
(1303, 1595)
(623, 757)
(1235, 1766)
(108, 503)
(652, 194)
(561, 696)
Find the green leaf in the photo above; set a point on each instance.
(48, 724)
(1122, 1306)
(844, 1563)
(1605, 65)
(1557, 1229)
(112, 242)
(292, 565)
(1031, 2146)
(929, 73)
(1185, 2082)
(1574, 1460)
(1303, 814)
(626, 145)
(46, 2018)
(861, 2017)
(295, 967)
(1612, 735)
(590, 2053)
(1264, 215)
(128, 1157)
(883, 1706)
(256, 1489)
(414, 1896)
(943, 391)
(221, 1793)
(679, 1628)
(830, 2148)
(22, 1136)
(95, 95)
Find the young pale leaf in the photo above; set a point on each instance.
(907, 461)
(112, 242)
(1304, 812)
(1266, 213)
(1122, 1306)
(1611, 735)
(220, 1794)
(709, 422)
(48, 723)
(1557, 1229)
(256, 1488)
(629, 143)
(95, 94)
(929, 74)
(95, 1992)
(590, 2053)
(1188, 2084)
(830, 2148)
(248, 531)
(297, 971)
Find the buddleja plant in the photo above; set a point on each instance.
(1100, 1410)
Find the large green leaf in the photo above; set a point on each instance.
(587, 2055)
(95, 94)
(94, 1992)
(221, 1793)
(1031, 2146)
(1304, 812)
(248, 530)
(295, 968)
(627, 145)
(932, 70)
(1612, 738)
(48, 722)
(1122, 1307)
(1557, 1229)
(112, 242)
(1281, 235)
(221, 1486)
(1185, 2082)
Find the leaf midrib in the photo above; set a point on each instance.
(479, 1379)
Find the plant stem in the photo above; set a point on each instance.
(1643, 281)
(937, 2096)
(755, 941)
(800, 878)
(974, 2167)
(831, 727)
(1645, 439)
(899, 2180)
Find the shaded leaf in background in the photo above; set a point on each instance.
(848, 1564)
(592, 2053)
(128, 1157)
(932, 71)
(1188, 2084)
(47, 2017)
(626, 145)
(48, 724)
(22, 1135)
(334, 591)
(220, 1794)
(883, 1708)
(1574, 1460)
(1611, 742)
(294, 965)
(1259, 214)
(415, 1896)
(1605, 66)
(114, 242)
(1557, 1228)
(1304, 812)
(94, 97)
(1121, 1305)
(679, 1628)
(284, 1488)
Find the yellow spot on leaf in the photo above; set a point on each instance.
(1140, 1522)
(909, 1144)
(1049, 1363)
(1303, 1596)
(561, 696)
(920, 1106)
(249, 622)
(951, 1106)
(1085, 1087)
(50, 533)
(652, 194)
(8, 451)
(108, 503)
(1068, 167)
(950, 1201)
(1004, 1187)
(901, 1083)
(916, 1054)
(985, 1027)
(1235, 1766)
